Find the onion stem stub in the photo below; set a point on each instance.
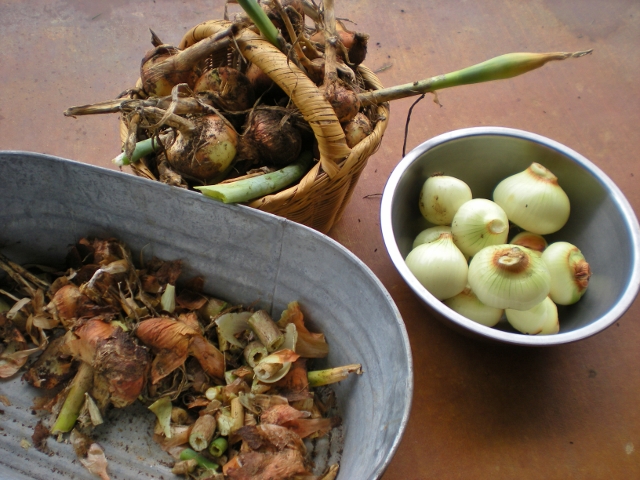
(509, 276)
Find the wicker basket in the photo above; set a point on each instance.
(321, 196)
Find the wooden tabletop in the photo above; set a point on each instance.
(479, 410)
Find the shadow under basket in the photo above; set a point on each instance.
(320, 197)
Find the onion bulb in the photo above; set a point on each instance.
(357, 129)
(205, 152)
(441, 197)
(430, 234)
(569, 270)
(271, 137)
(260, 81)
(156, 82)
(343, 99)
(439, 266)
(542, 319)
(225, 87)
(533, 200)
(467, 304)
(479, 223)
(509, 276)
(530, 240)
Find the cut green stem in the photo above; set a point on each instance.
(318, 378)
(249, 188)
(70, 410)
(142, 149)
(259, 17)
(218, 447)
(204, 462)
(498, 68)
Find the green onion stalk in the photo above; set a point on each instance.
(81, 384)
(318, 378)
(218, 446)
(261, 20)
(497, 68)
(142, 149)
(248, 189)
(204, 462)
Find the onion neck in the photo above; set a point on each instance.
(496, 226)
(512, 260)
(581, 274)
(542, 174)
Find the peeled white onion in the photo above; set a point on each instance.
(509, 276)
(534, 200)
(440, 198)
(479, 223)
(542, 319)
(430, 234)
(569, 271)
(467, 304)
(439, 266)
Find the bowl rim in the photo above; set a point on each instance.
(622, 305)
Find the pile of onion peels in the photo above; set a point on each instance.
(229, 385)
(219, 113)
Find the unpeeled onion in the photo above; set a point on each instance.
(207, 151)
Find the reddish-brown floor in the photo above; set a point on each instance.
(479, 411)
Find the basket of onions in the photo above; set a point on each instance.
(265, 110)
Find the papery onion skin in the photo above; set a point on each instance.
(569, 270)
(440, 198)
(479, 223)
(206, 153)
(534, 200)
(357, 129)
(155, 81)
(467, 304)
(439, 266)
(509, 276)
(226, 87)
(271, 139)
(430, 234)
(530, 240)
(542, 319)
(344, 100)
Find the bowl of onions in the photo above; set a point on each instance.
(511, 236)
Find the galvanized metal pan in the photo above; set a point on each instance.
(48, 203)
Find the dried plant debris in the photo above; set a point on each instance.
(229, 385)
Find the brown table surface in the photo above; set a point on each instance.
(479, 410)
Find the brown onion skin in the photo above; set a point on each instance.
(267, 141)
(354, 42)
(344, 101)
(189, 154)
(154, 83)
(226, 87)
(357, 129)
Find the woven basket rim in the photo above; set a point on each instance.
(344, 162)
